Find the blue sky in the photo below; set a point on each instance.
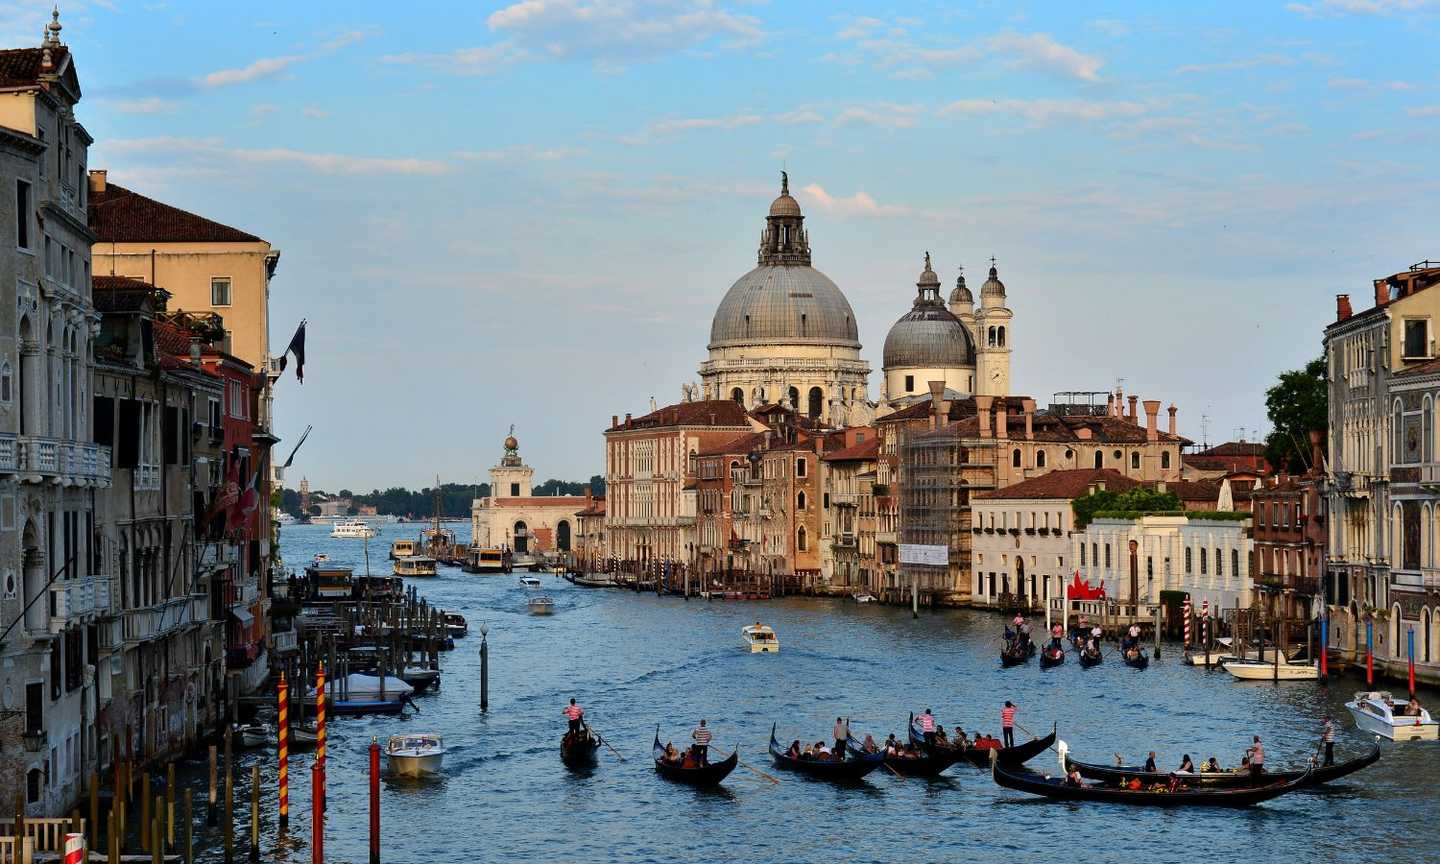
(526, 212)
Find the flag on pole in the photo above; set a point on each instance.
(296, 347)
(303, 436)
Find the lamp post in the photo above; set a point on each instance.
(484, 667)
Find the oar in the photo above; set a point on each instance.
(1032, 735)
(742, 764)
(607, 744)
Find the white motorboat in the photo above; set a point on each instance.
(759, 638)
(353, 528)
(252, 735)
(541, 605)
(455, 623)
(304, 735)
(1377, 712)
(359, 687)
(414, 755)
(1278, 669)
(865, 598)
(415, 566)
(529, 581)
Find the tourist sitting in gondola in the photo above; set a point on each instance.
(672, 755)
(869, 745)
(1073, 778)
(1186, 766)
(891, 745)
(985, 742)
(794, 751)
(940, 739)
(1150, 763)
(1212, 766)
(960, 740)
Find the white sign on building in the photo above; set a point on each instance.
(920, 553)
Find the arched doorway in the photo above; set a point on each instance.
(562, 536)
(817, 399)
(522, 539)
(738, 395)
(1020, 576)
(1135, 575)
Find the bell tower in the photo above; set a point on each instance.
(993, 336)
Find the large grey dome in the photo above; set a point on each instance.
(786, 304)
(928, 336)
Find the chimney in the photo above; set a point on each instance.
(1002, 420)
(1342, 306)
(97, 180)
(939, 406)
(819, 445)
(1172, 410)
(1133, 399)
(614, 421)
(589, 494)
(627, 418)
(982, 411)
(1152, 410)
(1317, 454)
(1100, 484)
(1029, 418)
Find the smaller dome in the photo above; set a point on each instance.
(928, 336)
(511, 443)
(928, 279)
(785, 206)
(993, 286)
(961, 294)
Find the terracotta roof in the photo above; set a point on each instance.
(1425, 368)
(118, 215)
(709, 412)
(739, 445)
(21, 66)
(123, 294)
(1235, 448)
(1064, 484)
(597, 508)
(855, 452)
(1195, 490)
(538, 501)
(1044, 425)
(171, 339)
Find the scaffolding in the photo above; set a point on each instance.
(939, 470)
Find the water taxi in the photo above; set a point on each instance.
(455, 623)
(405, 547)
(541, 605)
(759, 638)
(414, 755)
(415, 566)
(866, 597)
(529, 581)
(1377, 712)
(1277, 669)
(352, 528)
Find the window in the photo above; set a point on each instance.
(1107, 555)
(1150, 566)
(220, 291)
(799, 467)
(1417, 342)
(738, 395)
(7, 382)
(1082, 554)
(1235, 562)
(1204, 562)
(909, 383)
(1219, 564)
(1015, 458)
(22, 214)
(1188, 568)
(1000, 337)
(1165, 460)
(1099, 458)
(1039, 458)
(801, 543)
(514, 490)
(800, 500)
(1135, 460)
(215, 420)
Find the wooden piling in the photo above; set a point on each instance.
(255, 814)
(95, 810)
(170, 804)
(112, 838)
(229, 827)
(189, 831)
(144, 811)
(210, 813)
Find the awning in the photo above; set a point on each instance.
(243, 616)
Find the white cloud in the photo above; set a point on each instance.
(214, 151)
(1424, 111)
(262, 68)
(1044, 111)
(621, 30)
(1033, 51)
(481, 60)
(1343, 83)
(520, 153)
(1235, 65)
(147, 105)
(859, 204)
(883, 114)
(1039, 51)
(1359, 7)
(860, 28)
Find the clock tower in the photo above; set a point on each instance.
(993, 337)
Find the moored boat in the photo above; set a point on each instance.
(855, 766)
(688, 770)
(252, 735)
(866, 597)
(1115, 774)
(759, 638)
(1377, 712)
(591, 580)
(1166, 795)
(455, 623)
(1278, 669)
(404, 548)
(415, 566)
(414, 755)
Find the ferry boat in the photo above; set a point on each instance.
(541, 605)
(330, 583)
(414, 755)
(415, 566)
(353, 528)
(405, 547)
(281, 517)
(760, 639)
(489, 560)
(1376, 712)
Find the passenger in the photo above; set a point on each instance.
(794, 751)
(1150, 763)
(891, 745)
(1186, 766)
(1244, 764)
(870, 746)
(809, 752)
(1412, 708)
(821, 751)
(940, 739)
(1257, 757)
(1073, 778)
(1212, 766)
(1134, 784)
(671, 754)
(960, 740)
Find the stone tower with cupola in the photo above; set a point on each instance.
(511, 478)
(993, 337)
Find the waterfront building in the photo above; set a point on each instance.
(719, 470)
(1021, 547)
(1371, 426)
(848, 549)
(510, 517)
(1289, 549)
(790, 509)
(1139, 560)
(784, 333)
(54, 573)
(649, 512)
(591, 551)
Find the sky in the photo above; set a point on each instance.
(526, 212)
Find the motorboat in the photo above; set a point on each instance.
(488, 559)
(760, 639)
(1217, 656)
(865, 598)
(1377, 712)
(1277, 669)
(321, 558)
(415, 566)
(359, 687)
(414, 755)
(541, 605)
(529, 581)
(353, 528)
(420, 677)
(304, 735)
(252, 735)
(591, 580)
(455, 623)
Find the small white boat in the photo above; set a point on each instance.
(414, 755)
(529, 581)
(455, 623)
(304, 735)
(1278, 669)
(415, 566)
(759, 638)
(321, 558)
(541, 605)
(865, 598)
(355, 528)
(252, 735)
(1377, 712)
(359, 687)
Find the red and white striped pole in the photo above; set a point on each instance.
(75, 849)
(320, 733)
(284, 754)
(1187, 620)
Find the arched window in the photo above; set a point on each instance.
(1000, 337)
(1204, 561)
(1425, 626)
(1427, 449)
(1135, 460)
(7, 382)
(1099, 458)
(990, 337)
(1039, 458)
(1015, 458)
(1235, 561)
(801, 541)
(1164, 460)
(817, 401)
(738, 395)
(1219, 564)
(1188, 567)
(793, 396)
(562, 536)
(800, 500)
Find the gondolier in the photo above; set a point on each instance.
(701, 735)
(575, 714)
(842, 735)
(1257, 757)
(1327, 736)
(927, 726)
(1007, 723)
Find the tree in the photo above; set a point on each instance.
(1140, 499)
(1297, 405)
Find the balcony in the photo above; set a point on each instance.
(78, 601)
(1430, 474)
(846, 539)
(154, 622)
(284, 642)
(34, 741)
(844, 499)
(243, 594)
(67, 463)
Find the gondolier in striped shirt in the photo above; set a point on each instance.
(842, 734)
(702, 742)
(1007, 723)
(575, 714)
(927, 726)
(1327, 735)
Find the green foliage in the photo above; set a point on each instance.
(1297, 404)
(1140, 499)
(1213, 515)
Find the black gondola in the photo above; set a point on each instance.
(1050, 658)
(855, 766)
(1059, 788)
(700, 775)
(1319, 774)
(1013, 654)
(930, 762)
(980, 756)
(1087, 659)
(1139, 661)
(579, 750)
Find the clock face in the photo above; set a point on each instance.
(995, 376)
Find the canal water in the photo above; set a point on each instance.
(636, 660)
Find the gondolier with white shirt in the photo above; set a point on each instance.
(927, 726)
(1327, 735)
(1007, 723)
(575, 714)
(1257, 756)
(701, 735)
(842, 734)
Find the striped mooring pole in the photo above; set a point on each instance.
(75, 849)
(320, 734)
(284, 754)
(1187, 620)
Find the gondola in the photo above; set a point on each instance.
(1139, 661)
(929, 763)
(1319, 774)
(1013, 655)
(1057, 788)
(980, 756)
(1086, 661)
(580, 750)
(855, 766)
(701, 775)
(1047, 661)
